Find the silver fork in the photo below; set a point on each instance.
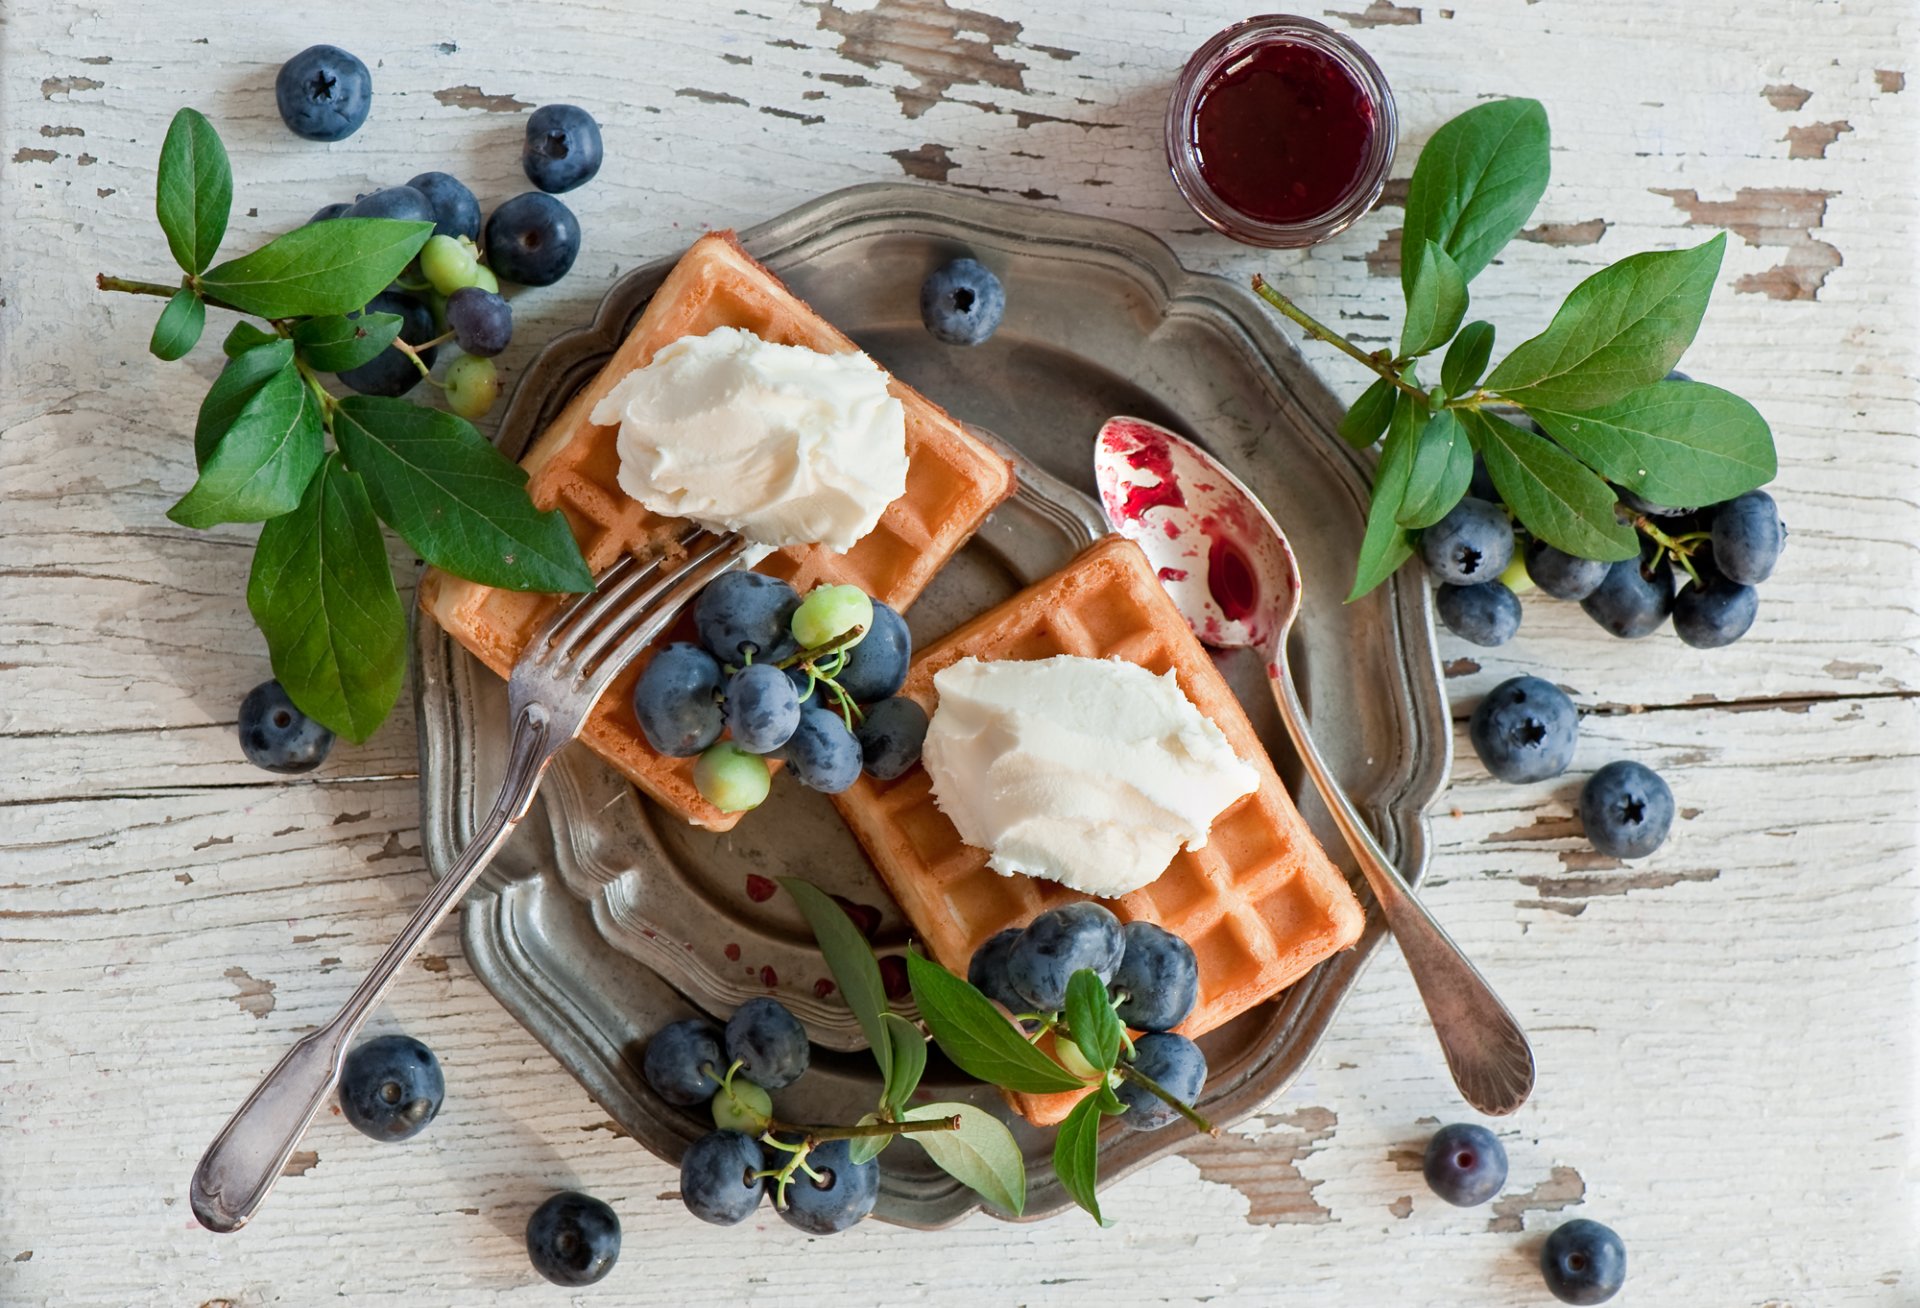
(562, 674)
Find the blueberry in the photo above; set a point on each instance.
(1159, 977)
(391, 372)
(323, 93)
(768, 1042)
(843, 1194)
(717, 1181)
(1626, 810)
(328, 212)
(1473, 543)
(1583, 1262)
(1486, 613)
(762, 708)
(677, 700)
(890, 737)
(823, 754)
(573, 1239)
(1059, 943)
(400, 202)
(1713, 611)
(1174, 1063)
(1653, 510)
(1633, 599)
(532, 239)
(1524, 730)
(1677, 375)
(987, 971)
(1481, 486)
(962, 302)
(1466, 1164)
(681, 1061)
(277, 736)
(562, 149)
(1748, 537)
(455, 211)
(742, 613)
(482, 322)
(1562, 575)
(877, 666)
(391, 1087)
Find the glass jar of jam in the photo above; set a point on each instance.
(1280, 131)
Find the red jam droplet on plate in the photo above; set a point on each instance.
(759, 888)
(733, 953)
(1283, 134)
(1231, 580)
(822, 988)
(769, 978)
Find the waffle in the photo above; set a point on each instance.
(1260, 902)
(953, 482)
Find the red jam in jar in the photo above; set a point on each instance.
(1280, 132)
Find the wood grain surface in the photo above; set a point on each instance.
(1725, 1030)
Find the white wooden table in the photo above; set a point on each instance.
(1725, 1031)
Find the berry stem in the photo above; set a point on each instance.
(327, 403)
(414, 354)
(1679, 548)
(1319, 331)
(132, 286)
(815, 1134)
(1153, 1087)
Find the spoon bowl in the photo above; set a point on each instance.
(1231, 573)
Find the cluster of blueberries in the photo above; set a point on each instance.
(1525, 730)
(1150, 972)
(1727, 550)
(392, 1086)
(324, 94)
(1583, 1261)
(813, 681)
(724, 1175)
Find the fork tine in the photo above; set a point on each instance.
(682, 588)
(671, 584)
(569, 622)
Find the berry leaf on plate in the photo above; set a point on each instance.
(1090, 1016)
(1674, 442)
(908, 1062)
(977, 1037)
(322, 594)
(1076, 1154)
(1622, 328)
(260, 466)
(851, 961)
(1554, 495)
(336, 343)
(324, 268)
(982, 1155)
(179, 326)
(459, 502)
(193, 193)
(1476, 184)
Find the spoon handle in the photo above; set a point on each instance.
(1486, 1050)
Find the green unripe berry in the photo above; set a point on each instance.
(448, 263)
(1515, 578)
(483, 278)
(742, 1107)
(731, 779)
(436, 305)
(472, 386)
(830, 612)
(1073, 1060)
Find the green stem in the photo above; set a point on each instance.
(1679, 548)
(815, 1134)
(414, 354)
(327, 403)
(1319, 331)
(845, 640)
(1153, 1087)
(131, 286)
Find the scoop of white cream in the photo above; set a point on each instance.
(1090, 772)
(783, 444)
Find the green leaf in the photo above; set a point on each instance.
(236, 384)
(323, 596)
(1076, 1155)
(1554, 495)
(194, 191)
(866, 1148)
(179, 327)
(1475, 186)
(909, 1061)
(1678, 442)
(1436, 302)
(1091, 1018)
(459, 502)
(977, 1037)
(1385, 546)
(243, 337)
(854, 968)
(1466, 361)
(1621, 329)
(1442, 467)
(333, 267)
(336, 343)
(1369, 415)
(982, 1155)
(262, 464)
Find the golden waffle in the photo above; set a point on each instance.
(953, 482)
(1260, 902)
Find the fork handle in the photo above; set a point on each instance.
(246, 1158)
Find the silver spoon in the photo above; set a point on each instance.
(1230, 571)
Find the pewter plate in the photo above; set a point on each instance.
(601, 921)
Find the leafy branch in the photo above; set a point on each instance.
(1601, 414)
(273, 445)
